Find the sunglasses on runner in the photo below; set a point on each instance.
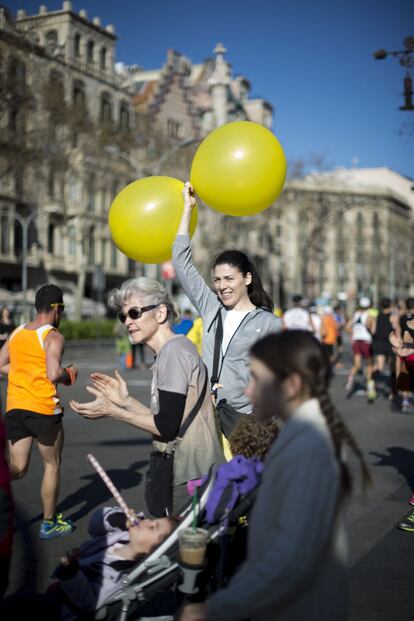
(135, 313)
(59, 305)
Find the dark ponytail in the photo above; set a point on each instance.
(297, 351)
(240, 261)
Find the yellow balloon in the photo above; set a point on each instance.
(144, 218)
(239, 168)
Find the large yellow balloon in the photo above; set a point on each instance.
(144, 218)
(239, 169)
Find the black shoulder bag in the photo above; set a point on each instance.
(228, 417)
(160, 476)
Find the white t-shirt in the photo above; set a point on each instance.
(231, 322)
(360, 331)
(297, 318)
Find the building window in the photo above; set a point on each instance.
(174, 129)
(90, 48)
(106, 108)
(91, 246)
(4, 232)
(90, 195)
(51, 37)
(51, 182)
(72, 240)
(51, 238)
(102, 59)
(79, 97)
(74, 189)
(114, 256)
(77, 45)
(16, 77)
(14, 120)
(124, 116)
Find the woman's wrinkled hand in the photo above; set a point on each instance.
(114, 388)
(100, 408)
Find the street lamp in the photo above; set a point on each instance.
(24, 223)
(406, 60)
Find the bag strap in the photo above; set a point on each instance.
(194, 411)
(218, 340)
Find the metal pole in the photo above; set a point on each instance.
(24, 223)
(25, 227)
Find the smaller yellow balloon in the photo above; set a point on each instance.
(239, 168)
(144, 218)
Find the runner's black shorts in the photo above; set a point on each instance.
(25, 424)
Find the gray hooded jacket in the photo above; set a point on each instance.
(234, 365)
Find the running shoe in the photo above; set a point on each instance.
(58, 527)
(371, 392)
(407, 523)
(405, 406)
(411, 501)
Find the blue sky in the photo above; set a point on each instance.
(311, 59)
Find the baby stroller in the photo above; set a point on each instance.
(160, 572)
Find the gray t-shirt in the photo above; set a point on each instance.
(178, 368)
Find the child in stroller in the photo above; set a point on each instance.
(131, 565)
(87, 576)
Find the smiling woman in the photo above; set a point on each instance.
(180, 417)
(235, 315)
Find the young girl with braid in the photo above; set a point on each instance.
(296, 559)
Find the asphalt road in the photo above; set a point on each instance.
(381, 556)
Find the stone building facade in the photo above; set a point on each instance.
(65, 105)
(337, 236)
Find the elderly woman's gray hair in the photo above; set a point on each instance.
(150, 290)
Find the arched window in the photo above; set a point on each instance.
(90, 48)
(51, 238)
(106, 107)
(79, 97)
(102, 59)
(77, 45)
(124, 116)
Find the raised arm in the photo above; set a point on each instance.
(191, 280)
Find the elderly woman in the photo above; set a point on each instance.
(180, 418)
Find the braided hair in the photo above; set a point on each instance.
(297, 351)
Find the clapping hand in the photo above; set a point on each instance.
(100, 408)
(114, 388)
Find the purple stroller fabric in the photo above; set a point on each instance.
(234, 479)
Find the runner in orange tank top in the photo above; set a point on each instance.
(31, 358)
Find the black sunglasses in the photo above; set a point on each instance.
(135, 313)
